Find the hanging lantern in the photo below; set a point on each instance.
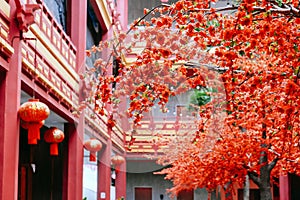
(117, 161)
(33, 130)
(93, 145)
(54, 136)
(33, 113)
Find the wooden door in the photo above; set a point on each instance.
(45, 182)
(142, 193)
(186, 195)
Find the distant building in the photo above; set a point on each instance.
(42, 53)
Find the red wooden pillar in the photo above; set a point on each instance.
(76, 22)
(104, 172)
(10, 92)
(77, 29)
(121, 181)
(284, 187)
(74, 166)
(123, 10)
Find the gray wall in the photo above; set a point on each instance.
(156, 182)
(200, 194)
(140, 174)
(136, 7)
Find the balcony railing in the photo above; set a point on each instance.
(48, 76)
(56, 35)
(49, 55)
(5, 46)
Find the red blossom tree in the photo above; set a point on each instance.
(248, 52)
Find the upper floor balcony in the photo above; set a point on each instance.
(6, 49)
(49, 56)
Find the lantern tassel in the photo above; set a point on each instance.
(33, 133)
(117, 168)
(92, 156)
(54, 149)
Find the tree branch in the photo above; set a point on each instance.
(285, 9)
(272, 164)
(254, 177)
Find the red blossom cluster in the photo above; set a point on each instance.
(252, 125)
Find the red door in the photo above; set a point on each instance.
(186, 195)
(143, 193)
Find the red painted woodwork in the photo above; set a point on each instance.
(56, 106)
(10, 89)
(99, 16)
(55, 33)
(122, 9)
(53, 78)
(46, 180)
(25, 15)
(74, 166)
(54, 136)
(23, 184)
(120, 181)
(78, 31)
(104, 171)
(142, 193)
(285, 187)
(6, 48)
(93, 145)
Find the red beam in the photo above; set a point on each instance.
(29, 86)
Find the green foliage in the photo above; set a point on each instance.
(200, 97)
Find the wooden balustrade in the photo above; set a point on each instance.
(47, 75)
(98, 124)
(55, 34)
(55, 55)
(153, 137)
(5, 44)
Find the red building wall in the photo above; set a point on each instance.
(39, 59)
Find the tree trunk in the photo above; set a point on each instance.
(265, 193)
(265, 186)
(265, 167)
(247, 188)
(263, 180)
(265, 171)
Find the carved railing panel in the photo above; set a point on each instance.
(56, 35)
(5, 44)
(39, 68)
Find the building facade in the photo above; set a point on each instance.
(42, 54)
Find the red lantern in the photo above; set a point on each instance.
(33, 113)
(93, 145)
(117, 161)
(54, 136)
(33, 130)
